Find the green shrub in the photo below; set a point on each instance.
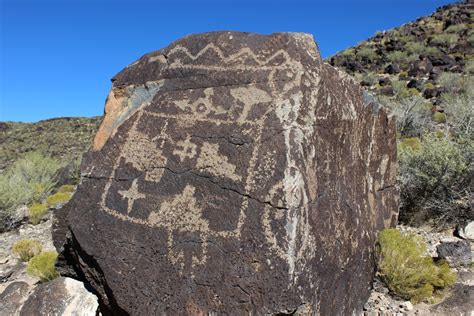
(366, 53)
(415, 48)
(411, 114)
(401, 57)
(406, 270)
(435, 181)
(69, 188)
(445, 39)
(460, 111)
(38, 171)
(451, 81)
(29, 179)
(13, 192)
(407, 93)
(439, 117)
(470, 39)
(469, 67)
(413, 143)
(58, 198)
(348, 52)
(457, 28)
(429, 85)
(42, 266)
(432, 51)
(36, 212)
(26, 249)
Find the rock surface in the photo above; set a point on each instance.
(62, 296)
(455, 252)
(12, 298)
(232, 173)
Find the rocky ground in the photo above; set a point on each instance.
(22, 294)
(460, 298)
(18, 289)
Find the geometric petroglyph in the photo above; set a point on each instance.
(185, 149)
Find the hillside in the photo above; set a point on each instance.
(411, 59)
(62, 138)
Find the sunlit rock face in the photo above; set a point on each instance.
(233, 173)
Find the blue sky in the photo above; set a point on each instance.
(57, 57)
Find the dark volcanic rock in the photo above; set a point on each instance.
(233, 173)
(455, 252)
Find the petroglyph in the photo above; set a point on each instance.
(131, 195)
(185, 149)
(211, 160)
(230, 165)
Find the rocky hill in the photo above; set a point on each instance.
(411, 59)
(63, 138)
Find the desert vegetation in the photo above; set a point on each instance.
(406, 269)
(42, 266)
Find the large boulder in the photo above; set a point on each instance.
(62, 296)
(232, 173)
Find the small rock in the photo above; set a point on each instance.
(407, 305)
(455, 252)
(466, 231)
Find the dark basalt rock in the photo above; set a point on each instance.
(233, 173)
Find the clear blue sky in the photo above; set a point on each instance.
(57, 57)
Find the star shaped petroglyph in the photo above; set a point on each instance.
(131, 195)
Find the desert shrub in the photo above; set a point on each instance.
(432, 51)
(429, 85)
(36, 212)
(415, 48)
(42, 266)
(413, 143)
(470, 39)
(469, 67)
(459, 108)
(445, 39)
(435, 181)
(58, 198)
(406, 270)
(13, 192)
(456, 28)
(401, 57)
(348, 52)
(411, 114)
(439, 117)
(26, 249)
(69, 188)
(398, 86)
(366, 53)
(38, 171)
(29, 179)
(451, 81)
(407, 93)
